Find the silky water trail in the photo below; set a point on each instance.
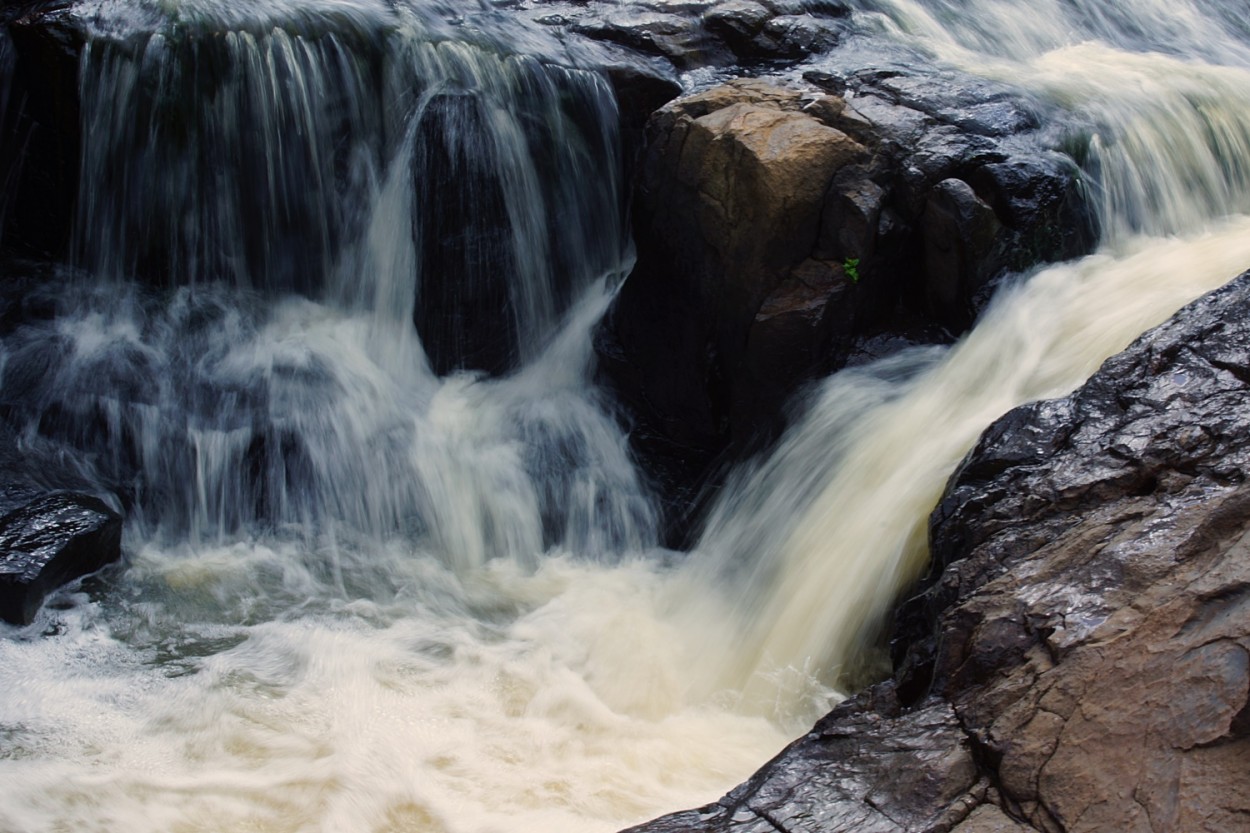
(361, 595)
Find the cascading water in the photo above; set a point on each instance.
(358, 156)
(1165, 141)
(367, 594)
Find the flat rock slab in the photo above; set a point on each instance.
(47, 540)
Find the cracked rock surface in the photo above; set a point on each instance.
(1079, 659)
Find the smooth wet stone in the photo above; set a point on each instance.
(49, 540)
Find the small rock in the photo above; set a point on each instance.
(48, 541)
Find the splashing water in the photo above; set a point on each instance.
(367, 592)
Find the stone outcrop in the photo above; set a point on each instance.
(1079, 658)
(731, 195)
(780, 228)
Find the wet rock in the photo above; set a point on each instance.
(816, 8)
(47, 540)
(1093, 613)
(858, 770)
(640, 90)
(678, 38)
(974, 106)
(699, 34)
(959, 230)
(795, 36)
(1079, 659)
(686, 7)
(737, 22)
(777, 227)
(731, 195)
(24, 10)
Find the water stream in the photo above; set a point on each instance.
(371, 588)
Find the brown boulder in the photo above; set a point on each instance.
(731, 197)
(779, 229)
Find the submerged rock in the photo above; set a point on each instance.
(47, 540)
(1079, 659)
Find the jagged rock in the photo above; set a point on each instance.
(1080, 659)
(15, 10)
(47, 540)
(1093, 612)
(778, 228)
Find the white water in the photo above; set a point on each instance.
(447, 613)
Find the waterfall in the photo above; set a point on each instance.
(1150, 96)
(815, 544)
(325, 336)
(309, 158)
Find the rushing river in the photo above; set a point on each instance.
(369, 588)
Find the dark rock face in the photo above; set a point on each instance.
(47, 540)
(1080, 658)
(19, 9)
(779, 228)
(465, 239)
(39, 130)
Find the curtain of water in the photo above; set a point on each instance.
(271, 208)
(365, 160)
